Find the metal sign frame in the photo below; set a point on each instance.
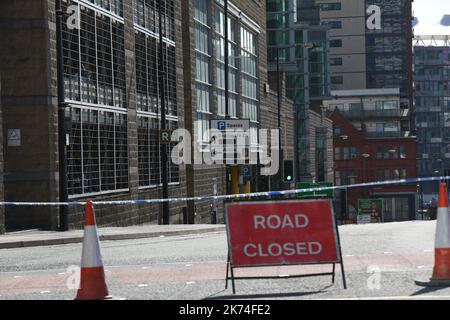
(230, 267)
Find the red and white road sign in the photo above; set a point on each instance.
(281, 233)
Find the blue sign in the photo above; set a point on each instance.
(246, 171)
(221, 125)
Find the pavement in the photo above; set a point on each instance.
(34, 238)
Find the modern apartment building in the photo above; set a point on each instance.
(371, 46)
(432, 98)
(298, 48)
(372, 143)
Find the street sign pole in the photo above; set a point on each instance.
(226, 87)
(279, 97)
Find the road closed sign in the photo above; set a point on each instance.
(282, 233)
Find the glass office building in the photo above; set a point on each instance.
(388, 50)
(300, 44)
(432, 96)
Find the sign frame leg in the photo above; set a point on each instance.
(230, 269)
(344, 282)
(334, 273)
(228, 266)
(232, 279)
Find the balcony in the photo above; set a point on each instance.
(388, 134)
(376, 114)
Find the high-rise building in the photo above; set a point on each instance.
(432, 98)
(371, 46)
(298, 44)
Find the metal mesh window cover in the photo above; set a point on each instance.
(118, 43)
(97, 157)
(121, 151)
(173, 169)
(91, 154)
(170, 79)
(146, 15)
(147, 82)
(94, 60)
(149, 162)
(114, 6)
(148, 151)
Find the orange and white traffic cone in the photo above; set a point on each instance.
(441, 270)
(92, 280)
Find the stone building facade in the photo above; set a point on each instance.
(2, 210)
(112, 102)
(111, 132)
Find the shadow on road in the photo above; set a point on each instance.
(427, 290)
(264, 295)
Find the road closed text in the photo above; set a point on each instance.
(275, 222)
(285, 249)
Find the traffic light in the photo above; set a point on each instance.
(288, 170)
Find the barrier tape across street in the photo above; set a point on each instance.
(230, 196)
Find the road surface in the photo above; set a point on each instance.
(381, 262)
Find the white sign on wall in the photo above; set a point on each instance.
(14, 138)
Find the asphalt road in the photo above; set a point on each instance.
(381, 262)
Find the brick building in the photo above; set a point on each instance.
(112, 97)
(112, 107)
(360, 158)
(2, 209)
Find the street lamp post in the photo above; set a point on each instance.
(163, 147)
(279, 97)
(63, 192)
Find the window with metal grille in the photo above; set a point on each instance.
(114, 6)
(94, 58)
(149, 152)
(146, 15)
(148, 97)
(97, 157)
(147, 83)
(147, 68)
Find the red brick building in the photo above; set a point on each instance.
(359, 158)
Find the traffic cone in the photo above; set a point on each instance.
(441, 270)
(92, 280)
